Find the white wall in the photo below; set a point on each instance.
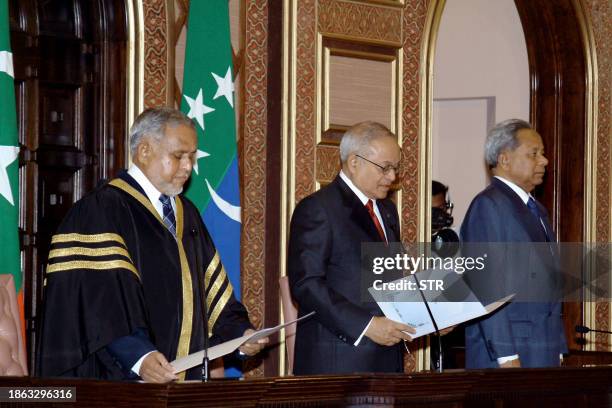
(480, 56)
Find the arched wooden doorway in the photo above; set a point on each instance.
(559, 60)
(70, 58)
(561, 55)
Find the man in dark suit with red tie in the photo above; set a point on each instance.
(327, 229)
(506, 218)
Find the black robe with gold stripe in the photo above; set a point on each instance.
(114, 268)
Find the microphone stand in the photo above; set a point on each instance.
(203, 308)
(585, 329)
(433, 320)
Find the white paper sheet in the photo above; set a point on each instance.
(408, 306)
(220, 350)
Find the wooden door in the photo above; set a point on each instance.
(558, 78)
(69, 82)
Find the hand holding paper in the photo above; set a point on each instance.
(156, 369)
(252, 347)
(387, 332)
(250, 337)
(407, 306)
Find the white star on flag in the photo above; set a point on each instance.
(225, 86)
(200, 154)
(8, 154)
(6, 63)
(197, 109)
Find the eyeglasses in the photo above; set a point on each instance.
(385, 169)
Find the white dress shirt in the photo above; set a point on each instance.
(153, 195)
(364, 200)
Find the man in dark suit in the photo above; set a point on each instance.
(327, 229)
(504, 217)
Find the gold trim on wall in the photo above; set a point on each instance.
(287, 150)
(318, 96)
(430, 35)
(590, 174)
(393, 3)
(324, 108)
(135, 65)
(396, 106)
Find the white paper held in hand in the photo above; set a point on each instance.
(407, 306)
(220, 350)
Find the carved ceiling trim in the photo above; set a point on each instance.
(358, 21)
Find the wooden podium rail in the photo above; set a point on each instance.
(541, 388)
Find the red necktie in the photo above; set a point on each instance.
(370, 207)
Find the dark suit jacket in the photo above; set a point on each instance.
(327, 230)
(530, 328)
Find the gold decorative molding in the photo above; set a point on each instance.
(135, 63)
(421, 23)
(360, 22)
(417, 20)
(596, 24)
(287, 149)
(328, 163)
(430, 35)
(393, 3)
(253, 158)
(599, 17)
(589, 307)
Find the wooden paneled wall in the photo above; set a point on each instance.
(309, 68)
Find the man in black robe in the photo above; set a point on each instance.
(123, 286)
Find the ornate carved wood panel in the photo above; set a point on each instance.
(158, 84)
(314, 156)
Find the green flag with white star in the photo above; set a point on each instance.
(9, 165)
(208, 98)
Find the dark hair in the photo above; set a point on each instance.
(438, 188)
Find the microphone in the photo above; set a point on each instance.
(584, 330)
(439, 364)
(201, 286)
(445, 242)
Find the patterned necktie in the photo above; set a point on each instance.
(533, 207)
(169, 219)
(370, 207)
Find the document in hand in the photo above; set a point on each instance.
(220, 350)
(407, 305)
